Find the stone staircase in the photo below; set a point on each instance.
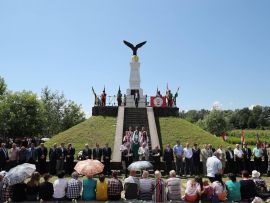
(137, 117)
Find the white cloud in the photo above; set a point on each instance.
(216, 106)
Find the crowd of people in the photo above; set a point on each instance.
(155, 189)
(52, 160)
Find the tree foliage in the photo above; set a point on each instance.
(25, 114)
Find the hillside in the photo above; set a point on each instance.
(97, 129)
(172, 128)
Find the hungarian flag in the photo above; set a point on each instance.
(243, 137)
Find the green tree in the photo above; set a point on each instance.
(73, 115)
(216, 123)
(3, 86)
(20, 114)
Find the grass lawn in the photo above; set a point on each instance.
(173, 129)
(97, 129)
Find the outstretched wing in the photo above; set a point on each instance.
(140, 44)
(129, 44)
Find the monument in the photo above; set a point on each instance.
(134, 96)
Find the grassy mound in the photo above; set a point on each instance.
(172, 129)
(97, 129)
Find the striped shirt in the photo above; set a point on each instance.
(174, 188)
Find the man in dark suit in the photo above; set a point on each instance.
(3, 156)
(168, 158)
(70, 159)
(196, 159)
(156, 154)
(61, 153)
(230, 168)
(87, 152)
(247, 156)
(41, 156)
(97, 152)
(107, 152)
(52, 157)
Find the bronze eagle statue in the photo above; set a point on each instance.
(134, 48)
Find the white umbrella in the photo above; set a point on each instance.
(45, 139)
(140, 165)
(19, 173)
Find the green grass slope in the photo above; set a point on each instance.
(172, 129)
(97, 129)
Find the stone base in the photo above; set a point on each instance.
(130, 98)
(131, 103)
(166, 112)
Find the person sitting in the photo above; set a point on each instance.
(158, 187)
(131, 186)
(115, 187)
(89, 188)
(233, 188)
(102, 189)
(19, 192)
(74, 187)
(219, 188)
(247, 187)
(173, 185)
(6, 192)
(261, 188)
(145, 192)
(193, 191)
(60, 187)
(46, 188)
(33, 187)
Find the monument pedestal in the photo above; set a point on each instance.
(134, 85)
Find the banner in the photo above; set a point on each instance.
(158, 102)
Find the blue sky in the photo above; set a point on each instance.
(214, 50)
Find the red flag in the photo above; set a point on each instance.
(224, 136)
(243, 137)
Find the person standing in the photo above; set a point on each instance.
(135, 144)
(128, 157)
(143, 153)
(188, 154)
(258, 155)
(23, 155)
(97, 152)
(41, 156)
(214, 166)
(136, 98)
(143, 136)
(268, 155)
(3, 157)
(87, 152)
(205, 155)
(168, 158)
(196, 159)
(156, 154)
(53, 159)
(178, 153)
(247, 156)
(13, 155)
(239, 158)
(230, 167)
(61, 153)
(32, 154)
(70, 152)
(103, 98)
(222, 152)
(107, 152)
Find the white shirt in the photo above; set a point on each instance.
(238, 153)
(188, 152)
(213, 165)
(59, 187)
